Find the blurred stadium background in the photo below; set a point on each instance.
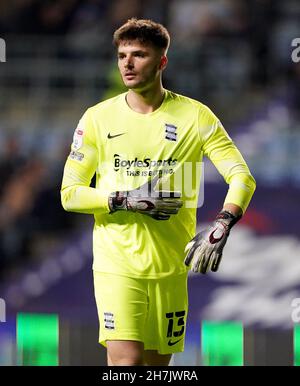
(235, 56)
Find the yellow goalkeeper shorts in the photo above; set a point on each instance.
(152, 311)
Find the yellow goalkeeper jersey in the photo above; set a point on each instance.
(125, 149)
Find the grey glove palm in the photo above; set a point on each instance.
(206, 248)
(159, 205)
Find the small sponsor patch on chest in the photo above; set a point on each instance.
(76, 155)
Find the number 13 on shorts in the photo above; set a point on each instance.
(176, 326)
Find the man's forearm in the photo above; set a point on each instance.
(233, 209)
(240, 192)
(84, 199)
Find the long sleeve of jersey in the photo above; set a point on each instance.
(223, 153)
(80, 167)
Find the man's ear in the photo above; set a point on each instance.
(163, 62)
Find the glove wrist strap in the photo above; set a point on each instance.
(227, 218)
(117, 201)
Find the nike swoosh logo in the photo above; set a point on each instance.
(214, 240)
(170, 343)
(109, 136)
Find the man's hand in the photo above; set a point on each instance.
(205, 249)
(159, 205)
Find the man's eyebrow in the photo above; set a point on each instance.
(133, 52)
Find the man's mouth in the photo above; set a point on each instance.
(129, 75)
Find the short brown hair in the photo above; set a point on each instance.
(145, 31)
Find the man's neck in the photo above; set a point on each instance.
(147, 101)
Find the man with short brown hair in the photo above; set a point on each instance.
(144, 146)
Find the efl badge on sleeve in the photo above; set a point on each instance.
(77, 139)
(170, 131)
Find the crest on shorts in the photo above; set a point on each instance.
(109, 321)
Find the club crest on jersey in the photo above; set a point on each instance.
(170, 132)
(77, 139)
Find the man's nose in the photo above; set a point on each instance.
(128, 63)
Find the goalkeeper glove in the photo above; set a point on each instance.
(206, 248)
(159, 205)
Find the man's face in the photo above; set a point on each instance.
(140, 65)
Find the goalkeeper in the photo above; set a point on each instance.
(138, 144)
